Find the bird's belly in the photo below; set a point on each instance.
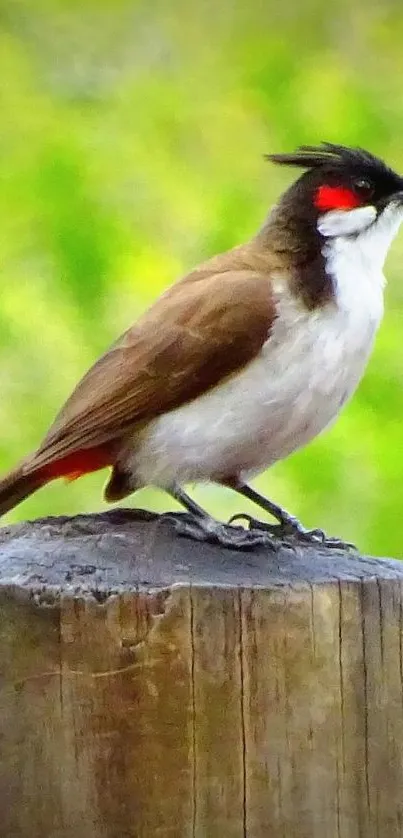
(273, 406)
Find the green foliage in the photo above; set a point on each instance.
(130, 149)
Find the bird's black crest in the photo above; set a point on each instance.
(329, 154)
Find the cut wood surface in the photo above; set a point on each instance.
(153, 686)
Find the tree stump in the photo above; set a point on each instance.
(152, 686)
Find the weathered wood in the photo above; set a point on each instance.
(151, 686)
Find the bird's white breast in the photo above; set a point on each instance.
(309, 366)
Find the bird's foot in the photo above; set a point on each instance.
(207, 529)
(289, 529)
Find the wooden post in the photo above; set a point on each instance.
(152, 686)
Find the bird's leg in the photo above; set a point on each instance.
(200, 526)
(288, 525)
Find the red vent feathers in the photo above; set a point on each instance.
(78, 463)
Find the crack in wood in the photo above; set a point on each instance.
(365, 696)
(193, 709)
(243, 727)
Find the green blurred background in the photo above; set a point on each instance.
(131, 144)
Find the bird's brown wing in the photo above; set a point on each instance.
(200, 331)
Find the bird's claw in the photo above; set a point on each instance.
(291, 530)
(213, 532)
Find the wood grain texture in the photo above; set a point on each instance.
(150, 686)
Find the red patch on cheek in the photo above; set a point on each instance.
(336, 198)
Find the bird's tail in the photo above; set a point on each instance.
(28, 477)
(16, 486)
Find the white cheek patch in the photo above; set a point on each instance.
(356, 261)
(346, 222)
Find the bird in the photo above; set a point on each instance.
(243, 361)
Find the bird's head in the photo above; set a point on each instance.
(343, 192)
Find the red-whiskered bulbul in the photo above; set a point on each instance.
(244, 360)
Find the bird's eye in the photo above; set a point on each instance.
(363, 188)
